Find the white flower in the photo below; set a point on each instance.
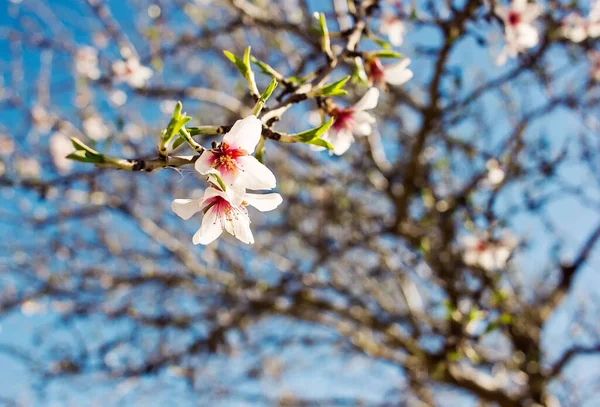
(42, 119)
(577, 28)
(488, 254)
(117, 97)
(393, 74)
(60, 146)
(351, 121)
(94, 128)
(394, 28)
(221, 214)
(86, 62)
(232, 160)
(520, 34)
(495, 174)
(132, 72)
(27, 167)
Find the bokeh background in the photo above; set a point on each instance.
(355, 292)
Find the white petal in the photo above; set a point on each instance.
(235, 194)
(315, 118)
(368, 101)
(486, 260)
(341, 141)
(239, 226)
(396, 33)
(531, 12)
(264, 202)
(211, 228)
(186, 208)
(244, 134)
(398, 74)
(204, 162)
(254, 175)
(528, 36)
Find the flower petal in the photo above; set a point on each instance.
(264, 202)
(210, 229)
(204, 163)
(186, 208)
(239, 226)
(368, 101)
(398, 74)
(341, 141)
(254, 175)
(244, 134)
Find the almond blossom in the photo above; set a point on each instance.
(60, 146)
(220, 213)
(86, 62)
(394, 28)
(520, 34)
(393, 74)
(577, 28)
(233, 162)
(487, 253)
(132, 72)
(351, 121)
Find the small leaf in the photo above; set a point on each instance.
(321, 143)
(269, 91)
(312, 134)
(238, 62)
(327, 90)
(386, 53)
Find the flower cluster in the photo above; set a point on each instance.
(577, 28)
(487, 253)
(519, 31)
(231, 170)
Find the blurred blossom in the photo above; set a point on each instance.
(519, 32)
(32, 307)
(350, 121)
(86, 62)
(153, 11)
(42, 120)
(94, 128)
(100, 40)
(118, 97)
(577, 28)
(7, 145)
(392, 74)
(60, 146)
(132, 72)
(133, 131)
(394, 28)
(167, 106)
(487, 253)
(27, 167)
(495, 174)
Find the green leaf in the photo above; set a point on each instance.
(80, 146)
(85, 157)
(334, 87)
(386, 53)
(312, 134)
(265, 68)
(381, 43)
(176, 124)
(321, 143)
(238, 63)
(269, 91)
(216, 176)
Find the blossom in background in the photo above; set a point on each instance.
(27, 167)
(86, 62)
(7, 145)
(577, 28)
(489, 254)
(42, 120)
(132, 72)
(94, 128)
(220, 213)
(520, 34)
(393, 74)
(233, 162)
(351, 121)
(394, 28)
(495, 174)
(60, 146)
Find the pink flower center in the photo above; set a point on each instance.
(344, 119)
(481, 246)
(514, 18)
(376, 72)
(225, 158)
